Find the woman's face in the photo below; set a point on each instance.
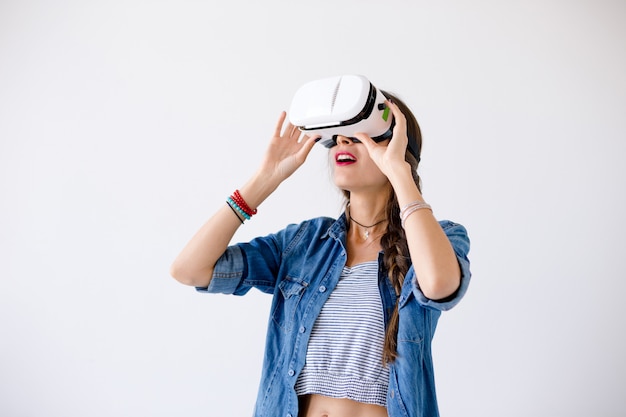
(353, 168)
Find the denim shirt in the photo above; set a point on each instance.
(300, 267)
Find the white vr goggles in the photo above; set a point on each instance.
(342, 105)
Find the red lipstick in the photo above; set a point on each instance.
(344, 158)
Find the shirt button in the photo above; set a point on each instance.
(291, 372)
(393, 394)
(302, 329)
(288, 415)
(322, 288)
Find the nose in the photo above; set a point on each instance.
(344, 140)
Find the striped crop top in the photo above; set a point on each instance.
(344, 354)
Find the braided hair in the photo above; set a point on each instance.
(396, 255)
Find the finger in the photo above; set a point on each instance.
(288, 130)
(397, 113)
(400, 119)
(310, 141)
(295, 132)
(307, 144)
(279, 125)
(366, 140)
(400, 128)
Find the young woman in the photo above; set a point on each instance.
(355, 300)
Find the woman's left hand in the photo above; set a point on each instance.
(389, 157)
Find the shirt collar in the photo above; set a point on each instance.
(338, 229)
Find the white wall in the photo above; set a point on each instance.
(124, 124)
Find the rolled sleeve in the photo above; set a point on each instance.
(457, 234)
(228, 272)
(243, 266)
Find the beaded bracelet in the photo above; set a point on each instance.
(235, 206)
(239, 206)
(237, 198)
(411, 208)
(234, 211)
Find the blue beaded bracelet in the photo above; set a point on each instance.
(235, 212)
(234, 205)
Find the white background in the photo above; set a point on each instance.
(124, 125)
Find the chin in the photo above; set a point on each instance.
(353, 181)
(343, 183)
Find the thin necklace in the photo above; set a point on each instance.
(367, 228)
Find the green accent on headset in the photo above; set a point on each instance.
(386, 113)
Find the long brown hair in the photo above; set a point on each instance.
(395, 248)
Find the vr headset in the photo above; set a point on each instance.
(342, 105)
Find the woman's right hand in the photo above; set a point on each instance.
(285, 154)
(286, 151)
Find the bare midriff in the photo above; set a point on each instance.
(314, 405)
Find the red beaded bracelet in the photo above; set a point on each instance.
(242, 203)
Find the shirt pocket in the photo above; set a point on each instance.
(287, 301)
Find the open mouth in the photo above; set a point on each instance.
(344, 158)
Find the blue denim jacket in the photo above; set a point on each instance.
(300, 266)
